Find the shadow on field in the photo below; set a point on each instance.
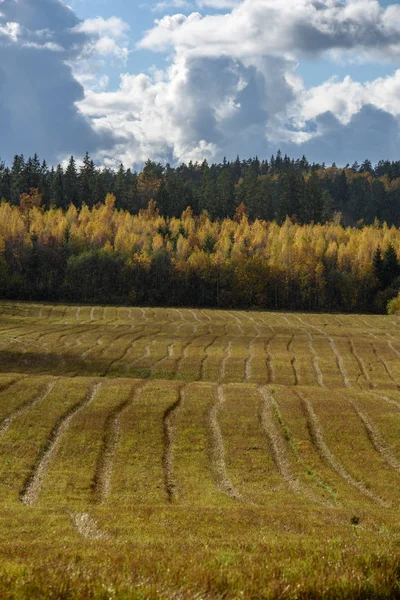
(36, 363)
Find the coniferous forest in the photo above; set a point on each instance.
(277, 234)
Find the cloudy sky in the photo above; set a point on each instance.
(179, 80)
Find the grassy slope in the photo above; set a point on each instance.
(176, 453)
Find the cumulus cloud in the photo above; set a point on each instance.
(113, 27)
(233, 87)
(38, 90)
(370, 133)
(296, 27)
(198, 109)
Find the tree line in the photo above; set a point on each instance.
(269, 189)
(102, 254)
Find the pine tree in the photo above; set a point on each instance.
(86, 182)
(57, 188)
(312, 206)
(390, 266)
(17, 178)
(71, 184)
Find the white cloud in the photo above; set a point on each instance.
(10, 30)
(113, 27)
(293, 27)
(107, 43)
(346, 98)
(166, 4)
(218, 4)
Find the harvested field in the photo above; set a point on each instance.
(149, 453)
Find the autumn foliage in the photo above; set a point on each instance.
(111, 256)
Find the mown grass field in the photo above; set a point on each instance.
(164, 453)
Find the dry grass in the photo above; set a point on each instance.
(198, 454)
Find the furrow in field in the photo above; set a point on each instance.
(246, 316)
(317, 439)
(227, 356)
(341, 324)
(5, 386)
(98, 342)
(360, 363)
(287, 437)
(269, 359)
(147, 350)
(393, 349)
(194, 314)
(42, 395)
(293, 361)
(375, 436)
(238, 321)
(385, 364)
(101, 484)
(339, 362)
(186, 347)
(315, 361)
(276, 441)
(248, 371)
(169, 353)
(387, 399)
(31, 489)
(146, 353)
(144, 315)
(87, 527)
(170, 482)
(48, 330)
(206, 316)
(125, 352)
(217, 450)
(206, 356)
(181, 315)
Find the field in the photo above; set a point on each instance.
(165, 453)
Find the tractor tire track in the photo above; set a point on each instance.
(206, 356)
(315, 361)
(317, 438)
(293, 361)
(125, 352)
(385, 365)
(6, 422)
(276, 442)
(169, 428)
(278, 447)
(386, 399)
(217, 450)
(375, 436)
(251, 355)
(227, 356)
(361, 363)
(269, 358)
(33, 484)
(101, 484)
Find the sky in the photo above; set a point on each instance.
(181, 80)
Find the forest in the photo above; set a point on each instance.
(104, 254)
(270, 190)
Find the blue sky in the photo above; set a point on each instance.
(179, 80)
